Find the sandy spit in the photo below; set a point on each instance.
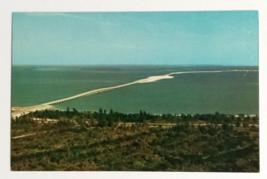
(18, 111)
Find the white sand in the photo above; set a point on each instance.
(155, 78)
(18, 111)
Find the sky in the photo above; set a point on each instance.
(136, 38)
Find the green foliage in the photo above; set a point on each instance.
(245, 124)
(65, 123)
(72, 143)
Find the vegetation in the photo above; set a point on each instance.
(111, 141)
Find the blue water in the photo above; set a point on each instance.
(229, 92)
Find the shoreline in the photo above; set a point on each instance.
(18, 111)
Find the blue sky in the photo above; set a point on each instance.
(136, 38)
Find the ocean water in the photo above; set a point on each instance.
(228, 92)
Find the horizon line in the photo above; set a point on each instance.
(131, 65)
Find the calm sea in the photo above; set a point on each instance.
(228, 92)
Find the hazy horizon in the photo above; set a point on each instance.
(192, 65)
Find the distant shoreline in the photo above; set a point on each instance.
(18, 111)
(135, 65)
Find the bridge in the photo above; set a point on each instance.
(89, 93)
(18, 111)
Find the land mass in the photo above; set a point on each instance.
(53, 140)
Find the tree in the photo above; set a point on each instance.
(87, 140)
(110, 122)
(68, 112)
(241, 115)
(75, 112)
(66, 148)
(245, 124)
(237, 124)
